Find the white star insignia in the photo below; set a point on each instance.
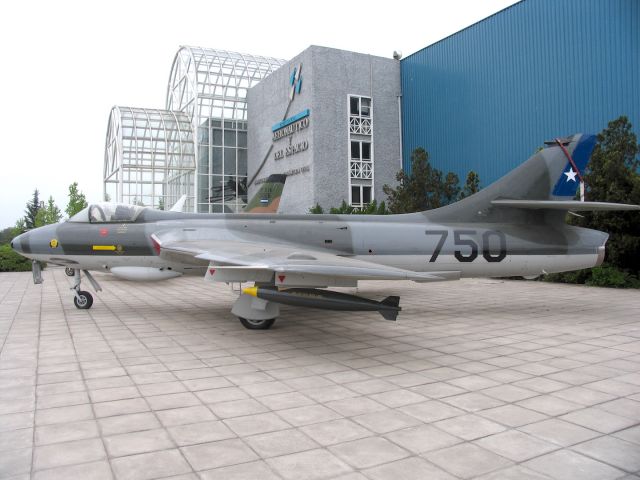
(571, 175)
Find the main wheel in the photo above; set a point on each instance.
(256, 324)
(69, 271)
(83, 300)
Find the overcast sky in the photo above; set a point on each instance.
(66, 63)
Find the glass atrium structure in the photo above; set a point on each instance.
(197, 146)
(149, 157)
(209, 87)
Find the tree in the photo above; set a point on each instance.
(316, 210)
(31, 211)
(471, 186)
(161, 203)
(49, 214)
(19, 228)
(6, 235)
(422, 189)
(344, 209)
(612, 176)
(450, 189)
(77, 200)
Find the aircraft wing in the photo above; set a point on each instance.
(233, 261)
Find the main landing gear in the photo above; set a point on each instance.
(83, 299)
(256, 324)
(255, 313)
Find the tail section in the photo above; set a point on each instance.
(268, 197)
(548, 181)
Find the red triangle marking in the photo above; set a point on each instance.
(212, 271)
(281, 278)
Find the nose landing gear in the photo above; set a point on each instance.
(82, 299)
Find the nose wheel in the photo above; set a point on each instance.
(81, 298)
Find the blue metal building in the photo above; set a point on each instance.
(487, 97)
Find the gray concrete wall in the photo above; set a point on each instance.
(329, 76)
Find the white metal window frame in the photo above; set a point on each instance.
(356, 135)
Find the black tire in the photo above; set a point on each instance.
(257, 324)
(85, 301)
(69, 271)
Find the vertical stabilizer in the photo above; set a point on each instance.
(549, 174)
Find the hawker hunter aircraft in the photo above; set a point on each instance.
(514, 227)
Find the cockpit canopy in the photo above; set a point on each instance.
(108, 213)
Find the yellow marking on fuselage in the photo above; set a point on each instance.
(109, 248)
(253, 291)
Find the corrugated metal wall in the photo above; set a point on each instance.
(485, 98)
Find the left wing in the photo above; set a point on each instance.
(232, 261)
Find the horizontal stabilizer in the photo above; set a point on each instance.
(568, 205)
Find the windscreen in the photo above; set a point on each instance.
(113, 213)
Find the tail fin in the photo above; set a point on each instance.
(392, 301)
(549, 175)
(267, 199)
(392, 313)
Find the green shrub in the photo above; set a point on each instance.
(602, 276)
(10, 261)
(606, 276)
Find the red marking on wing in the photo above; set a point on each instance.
(281, 278)
(212, 271)
(156, 245)
(104, 232)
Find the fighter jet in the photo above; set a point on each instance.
(514, 227)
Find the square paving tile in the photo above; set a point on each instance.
(335, 431)
(614, 451)
(466, 460)
(516, 446)
(138, 442)
(568, 465)
(150, 465)
(283, 442)
(423, 438)
(598, 420)
(313, 464)
(408, 469)
(560, 432)
(218, 454)
(368, 452)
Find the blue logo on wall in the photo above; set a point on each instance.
(295, 80)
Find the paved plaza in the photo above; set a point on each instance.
(482, 379)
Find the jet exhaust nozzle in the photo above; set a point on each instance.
(327, 300)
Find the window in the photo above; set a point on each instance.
(360, 195)
(365, 107)
(355, 150)
(366, 151)
(360, 150)
(354, 106)
(360, 106)
(355, 195)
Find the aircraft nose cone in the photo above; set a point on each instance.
(16, 243)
